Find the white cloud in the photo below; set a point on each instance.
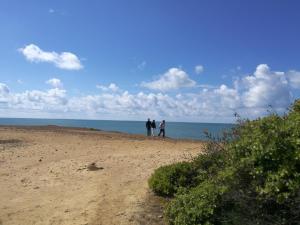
(51, 10)
(174, 78)
(228, 97)
(4, 95)
(250, 96)
(294, 78)
(4, 90)
(199, 69)
(51, 100)
(111, 87)
(205, 104)
(265, 87)
(64, 60)
(54, 82)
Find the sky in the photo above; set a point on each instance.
(191, 61)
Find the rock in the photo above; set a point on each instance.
(94, 167)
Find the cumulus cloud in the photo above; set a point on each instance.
(51, 100)
(250, 96)
(64, 60)
(228, 97)
(204, 105)
(199, 69)
(265, 87)
(4, 90)
(4, 94)
(208, 103)
(174, 78)
(111, 87)
(294, 78)
(54, 82)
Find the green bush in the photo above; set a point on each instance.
(268, 152)
(196, 206)
(208, 165)
(254, 178)
(167, 180)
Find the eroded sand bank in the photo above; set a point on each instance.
(54, 175)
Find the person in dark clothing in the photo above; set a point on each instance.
(153, 128)
(162, 127)
(148, 127)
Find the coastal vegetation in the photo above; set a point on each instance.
(250, 176)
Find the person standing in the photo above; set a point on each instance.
(153, 128)
(162, 127)
(148, 127)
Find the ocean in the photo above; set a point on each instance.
(178, 130)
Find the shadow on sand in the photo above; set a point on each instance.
(152, 210)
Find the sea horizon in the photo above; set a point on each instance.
(60, 118)
(177, 130)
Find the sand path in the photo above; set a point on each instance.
(48, 177)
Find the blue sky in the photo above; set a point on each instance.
(136, 59)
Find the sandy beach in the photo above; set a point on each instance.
(55, 175)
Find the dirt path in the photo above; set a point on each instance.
(52, 175)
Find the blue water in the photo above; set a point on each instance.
(178, 130)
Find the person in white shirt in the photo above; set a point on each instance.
(162, 127)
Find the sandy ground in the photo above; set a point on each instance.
(54, 175)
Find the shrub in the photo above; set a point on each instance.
(268, 153)
(167, 180)
(254, 178)
(208, 165)
(196, 206)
